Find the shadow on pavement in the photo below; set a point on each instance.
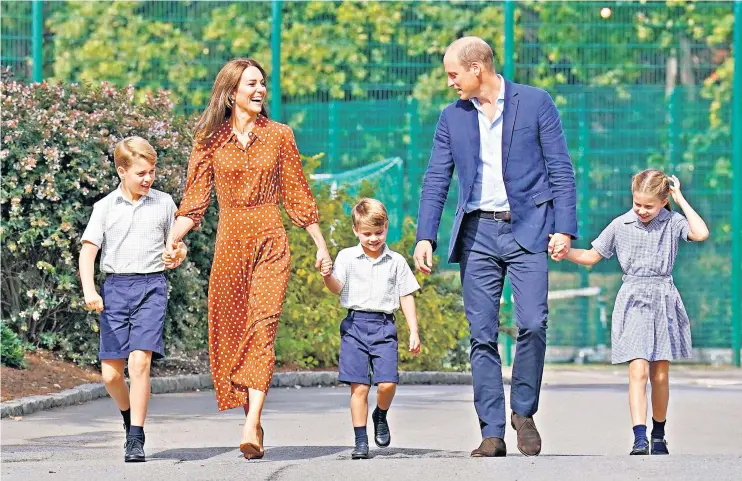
(416, 453)
(295, 453)
(193, 454)
(81, 438)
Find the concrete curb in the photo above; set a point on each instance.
(163, 385)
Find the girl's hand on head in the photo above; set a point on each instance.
(675, 188)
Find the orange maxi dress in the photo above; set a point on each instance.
(250, 270)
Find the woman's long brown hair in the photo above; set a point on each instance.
(222, 97)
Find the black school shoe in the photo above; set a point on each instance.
(382, 436)
(134, 450)
(126, 430)
(659, 446)
(360, 451)
(640, 448)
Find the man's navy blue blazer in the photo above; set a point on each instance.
(536, 167)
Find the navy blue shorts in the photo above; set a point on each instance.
(368, 347)
(133, 317)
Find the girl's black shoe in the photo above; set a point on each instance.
(659, 446)
(641, 447)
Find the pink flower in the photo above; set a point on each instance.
(29, 163)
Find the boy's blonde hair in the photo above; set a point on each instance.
(369, 212)
(132, 148)
(652, 182)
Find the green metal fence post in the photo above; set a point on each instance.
(736, 296)
(37, 40)
(583, 211)
(508, 71)
(506, 309)
(333, 160)
(672, 144)
(603, 334)
(411, 167)
(276, 10)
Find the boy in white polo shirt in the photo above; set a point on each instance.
(373, 282)
(130, 226)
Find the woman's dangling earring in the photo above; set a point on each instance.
(230, 101)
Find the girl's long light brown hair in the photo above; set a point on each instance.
(222, 97)
(652, 182)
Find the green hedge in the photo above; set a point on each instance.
(11, 348)
(57, 162)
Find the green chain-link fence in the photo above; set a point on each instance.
(638, 84)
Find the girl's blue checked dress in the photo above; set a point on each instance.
(649, 319)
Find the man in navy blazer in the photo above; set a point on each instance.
(517, 201)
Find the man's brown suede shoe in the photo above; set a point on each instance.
(490, 448)
(529, 440)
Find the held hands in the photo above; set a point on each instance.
(559, 245)
(415, 343)
(326, 268)
(424, 257)
(174, 254)
(324, 262)
(94, 301)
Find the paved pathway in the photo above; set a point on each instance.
(583, 419)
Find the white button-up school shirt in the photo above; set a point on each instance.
(373, 285)
(131, 235)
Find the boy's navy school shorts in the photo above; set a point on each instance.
(133, 317)
(368, 348)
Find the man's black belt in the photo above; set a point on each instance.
(503, 216)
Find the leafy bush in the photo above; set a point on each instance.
(57, 161)
(11, 348)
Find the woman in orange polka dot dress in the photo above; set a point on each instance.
(254, 163)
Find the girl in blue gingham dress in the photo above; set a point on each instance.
(650, 325)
